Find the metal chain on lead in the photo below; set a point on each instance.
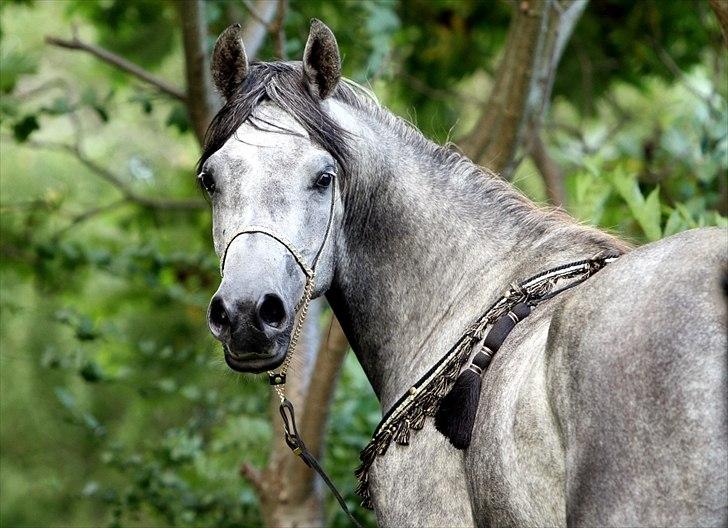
(296, 334)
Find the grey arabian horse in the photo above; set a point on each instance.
(607, 406)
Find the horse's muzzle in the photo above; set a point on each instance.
(254, 334)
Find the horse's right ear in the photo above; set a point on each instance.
(321, 60)
(229, 61)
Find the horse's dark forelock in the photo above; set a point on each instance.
(283, 84)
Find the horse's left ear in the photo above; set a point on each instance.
(321, 61)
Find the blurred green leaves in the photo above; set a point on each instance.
(141, 30)
(646, 211)
(13, 65)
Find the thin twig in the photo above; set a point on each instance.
(254, 14)
(119, 62)
(89, 214)
(278, 29)
(436, 93)
(168, 204)
(551, 173)
(258, 26)
(41, 88)
(252, 475)
(671, 65)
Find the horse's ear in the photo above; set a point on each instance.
(321, 61)
(229, 61)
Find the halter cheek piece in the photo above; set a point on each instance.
(278, 379)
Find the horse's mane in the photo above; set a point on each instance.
(283, 84)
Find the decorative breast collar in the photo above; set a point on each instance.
(443, 391)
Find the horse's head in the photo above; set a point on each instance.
(272, 163)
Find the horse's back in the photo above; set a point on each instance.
(637, 377)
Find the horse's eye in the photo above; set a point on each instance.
(324, 179)
(207, 182)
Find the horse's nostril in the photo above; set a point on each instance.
(271, 311)
(219, 317)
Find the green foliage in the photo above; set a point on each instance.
(13, 65)
(117, 408)
(141, 30)
(631, 42)
(658, 168)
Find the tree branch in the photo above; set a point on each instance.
(129, 194)
(118, 62)
(550, 172)
(536, 40)
(202, 102)
(671, 65)
(253, 475)
(278, 30)
(720, 8)
(87, 215)
(256, 29)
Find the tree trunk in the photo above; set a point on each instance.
(720, 8)
(201, 100)
(521, 90)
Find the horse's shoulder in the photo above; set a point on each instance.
(654, 320)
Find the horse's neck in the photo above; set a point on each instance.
(424, 249)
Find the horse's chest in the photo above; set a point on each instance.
(511, 475)
(422, 484)
(516, 461)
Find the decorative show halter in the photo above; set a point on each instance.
(278, 379)
(449, 391)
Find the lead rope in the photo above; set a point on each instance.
(278, 379)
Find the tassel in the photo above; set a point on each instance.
(455, 417)
(384, 442)
(418, 418)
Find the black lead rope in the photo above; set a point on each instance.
(295, 442)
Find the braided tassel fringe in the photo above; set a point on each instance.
(400, 429)
(455, 417)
